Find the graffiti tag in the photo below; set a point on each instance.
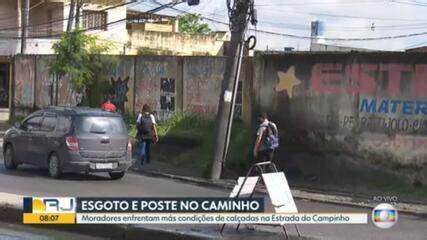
(119, 90)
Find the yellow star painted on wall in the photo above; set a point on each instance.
(287, 81)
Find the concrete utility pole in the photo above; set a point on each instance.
(24, 24)
(78, 10)
(238, 23)
(71, 15)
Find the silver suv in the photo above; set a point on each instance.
(70, 140)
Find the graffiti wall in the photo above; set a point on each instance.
(166, 83)
(202, 83)
(119, 77)
(24, 80)
(156, 84)
(378, 100)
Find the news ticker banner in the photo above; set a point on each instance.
(67, 210)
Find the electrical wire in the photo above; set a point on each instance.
(66, 19)
(273, 32)
(305, 3)
(310, 37)
(415, 3)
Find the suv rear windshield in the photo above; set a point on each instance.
(100, 125)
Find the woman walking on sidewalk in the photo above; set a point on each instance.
(147, 133)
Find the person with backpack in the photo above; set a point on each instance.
(267, 139)
(146, 133)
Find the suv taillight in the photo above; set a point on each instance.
(72, 143)
(129, 146)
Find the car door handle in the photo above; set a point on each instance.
(105, 140)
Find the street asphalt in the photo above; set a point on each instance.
(13, 231)
(30, 181)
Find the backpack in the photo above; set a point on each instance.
(144, 126)
(271, 137)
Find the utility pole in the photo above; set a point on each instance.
(71, 15)
(78, 9)
(24, 23)
(238, 14)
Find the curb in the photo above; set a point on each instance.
(409, 208)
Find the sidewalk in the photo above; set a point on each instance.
(161, 169)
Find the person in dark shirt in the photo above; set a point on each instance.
(147, 133)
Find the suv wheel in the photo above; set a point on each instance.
(55, 170)
(9, 158)
(116, 175)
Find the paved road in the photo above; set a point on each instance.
(10, 231)
(34, 182)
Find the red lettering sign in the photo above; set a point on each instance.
(361, 78)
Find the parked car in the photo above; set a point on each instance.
(64, 139)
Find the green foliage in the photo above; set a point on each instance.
(191, 141)
(191, 23)
(79, 56)
(146, 51)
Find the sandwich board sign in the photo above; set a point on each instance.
(247, 189)
(277, 188)
(279, 192)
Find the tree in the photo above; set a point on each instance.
(78, 56)
(192, 23)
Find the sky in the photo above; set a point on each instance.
(352, 23)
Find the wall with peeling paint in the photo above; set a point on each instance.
(166, 83)
(369, 102)
(24, 81)
(156, 81)
(202, 83)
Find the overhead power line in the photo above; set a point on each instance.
(413, 3)
(68, 18)
(256, 30)
(345, 39)
(305, 3)
(310, 37)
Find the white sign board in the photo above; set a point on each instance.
(247, 189)
(228, 96)
(279, 192)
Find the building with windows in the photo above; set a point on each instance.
(48, 20)
(159, 34)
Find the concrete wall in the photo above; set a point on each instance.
(166, 83)
(152, 27)
(373, 103)
(202, 83)
(24, 83)
(178, 43)
(46, 19)
(9, 20)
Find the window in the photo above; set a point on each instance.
(64, 124)
(94, 20)
(100, 125)
(32, 124)
(48, 124)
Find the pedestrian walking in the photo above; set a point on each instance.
(108, 105)
(146, 133)
(267, 140)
